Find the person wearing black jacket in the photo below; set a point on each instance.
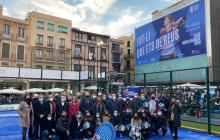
(62, 127)
(76, 126)
(49, 112)
(86, 104)
(61, 105)
(146, 129)
(38, 116)
(88, 126)
(116, 121)
(174, 114)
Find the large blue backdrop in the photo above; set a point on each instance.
(179, 34)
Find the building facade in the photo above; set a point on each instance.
(50, 41)
(128, 55)
(14, 49)
(90, 52)
(116, 74)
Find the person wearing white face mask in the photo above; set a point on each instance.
(116, 121)
(113, 104)
(62, 105)
(38, 116)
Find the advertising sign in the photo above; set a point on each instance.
(176, 35)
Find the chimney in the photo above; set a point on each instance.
(1, 10)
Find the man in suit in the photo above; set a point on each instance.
(61, 105)
(86, 105)
(38, 116)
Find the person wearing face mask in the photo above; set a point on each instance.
(88, 126)
(49, 129)
(153, 108)
(141, 102)
(62, 127)
(86, 104)
(174, 114)
(128, 104)
(73, 108)
(99, 106)
(116, 121)
(38, 107)
(25, 111)
(146, 129)
(113, 104)
(62, 105)
(135, 127)
(126, 120)
(76, 126)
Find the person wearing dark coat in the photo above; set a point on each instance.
(99, 106)
(146, 130)
(116, 121)
(61, 105)
(88, 126)
(62, 127)
(86, 104)
(113, 104)
(174, 114)
(76, 126)
(38, 107)
(49, 115)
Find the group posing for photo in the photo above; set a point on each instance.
(67, 117)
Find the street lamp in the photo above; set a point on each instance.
(99, 45)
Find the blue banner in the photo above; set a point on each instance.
(177, 35)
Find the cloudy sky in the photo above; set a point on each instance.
(113, 17)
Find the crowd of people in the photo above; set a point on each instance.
(64, 117)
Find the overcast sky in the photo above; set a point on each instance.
(113, 17)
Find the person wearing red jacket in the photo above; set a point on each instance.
(73, 108)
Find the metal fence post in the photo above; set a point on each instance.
(79, 86)
(144, 80)
(208, 100)
(171, 83)
(110, 86)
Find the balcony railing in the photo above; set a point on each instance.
(62, 46)
(117, 50)
(50, 44)
(39, 42)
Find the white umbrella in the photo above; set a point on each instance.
(55, 90)
(190, 85)
(11, 91)
(34, 90)
(91, 88)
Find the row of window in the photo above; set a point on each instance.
(7, 64)
(91, 70)
(6, 49)
(48, 67)
(49, 54)
(91, 52)
(50, 41)
(51, 27)
(7, 31)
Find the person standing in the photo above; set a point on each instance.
(62, 105)
(25, 111)
(174, 117)
(86, 104)
(73, 108)
(113, 104)
(38, 116)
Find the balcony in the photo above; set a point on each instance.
(50, 58)
(117, 50)
(77, 56)
(23, 39)
(50, 44)
(62, 46)
(116, 61)
(38, 57)
(39, 42)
